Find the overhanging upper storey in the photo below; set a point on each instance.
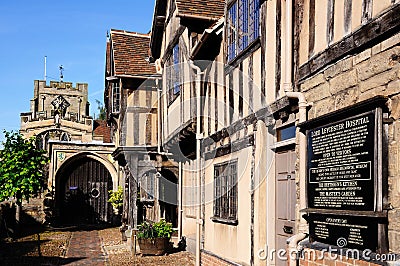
(208, 47)
(197, 15)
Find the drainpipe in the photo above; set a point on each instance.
(288, 90)
(180, 210)
(294, 247)
(199, 137)
(158, 117)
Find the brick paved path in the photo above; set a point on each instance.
(85, 248)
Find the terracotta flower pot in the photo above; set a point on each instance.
(153, 246)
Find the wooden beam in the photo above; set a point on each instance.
(216, 100)
(366, 11)
(331, 21)
(231, 98)
(375, 31)
(251, 83)
(174, 40)
(243, 55)
(263, 17)
(231, 147)
(348, 6)
(311, 27)
(262, 114)
(240, 107)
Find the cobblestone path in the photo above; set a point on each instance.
(85, 249)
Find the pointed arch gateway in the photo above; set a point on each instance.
(82, 185)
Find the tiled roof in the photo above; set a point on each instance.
(130, 50)
(100, 128)
(213, 9)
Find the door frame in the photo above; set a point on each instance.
(285, 147)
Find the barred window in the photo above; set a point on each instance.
(116, 97)
(225, 191)
(243, 26)
(174, 74)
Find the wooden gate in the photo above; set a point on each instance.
(83, 192)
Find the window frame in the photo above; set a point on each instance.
(174, 75)
(225, 204)
(115, 102)
(245, 15)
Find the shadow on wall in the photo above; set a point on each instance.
(29, 225)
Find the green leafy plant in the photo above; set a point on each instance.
(160, 229)
(116, 197)
(22, 169)
(102, 110)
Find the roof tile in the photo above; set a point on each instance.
(130, 50)
(213, 9)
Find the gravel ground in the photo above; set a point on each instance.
(54, 243)
(25, 250)
(119, 255)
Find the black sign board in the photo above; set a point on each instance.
(344, 231)
(345, 176)
(341, 171)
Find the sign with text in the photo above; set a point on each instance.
(341, 159)
(344, 231)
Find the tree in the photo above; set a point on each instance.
(102, 110)
(22, 169)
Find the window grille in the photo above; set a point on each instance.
(225, 191)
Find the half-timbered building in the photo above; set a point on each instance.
(220, 85)
(247, 93)
(131, 98)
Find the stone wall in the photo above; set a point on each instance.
(374, 71)
(34, 211)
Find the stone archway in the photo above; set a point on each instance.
(82, 185)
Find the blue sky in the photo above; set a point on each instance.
(71, 33)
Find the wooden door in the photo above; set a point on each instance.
(285, 199)
(84, 193)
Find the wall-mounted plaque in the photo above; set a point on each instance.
(341, 168)
(344, 180)
(344, 231)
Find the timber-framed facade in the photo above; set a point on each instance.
(242, 84)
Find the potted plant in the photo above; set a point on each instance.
(116, 199)
(154, 238)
